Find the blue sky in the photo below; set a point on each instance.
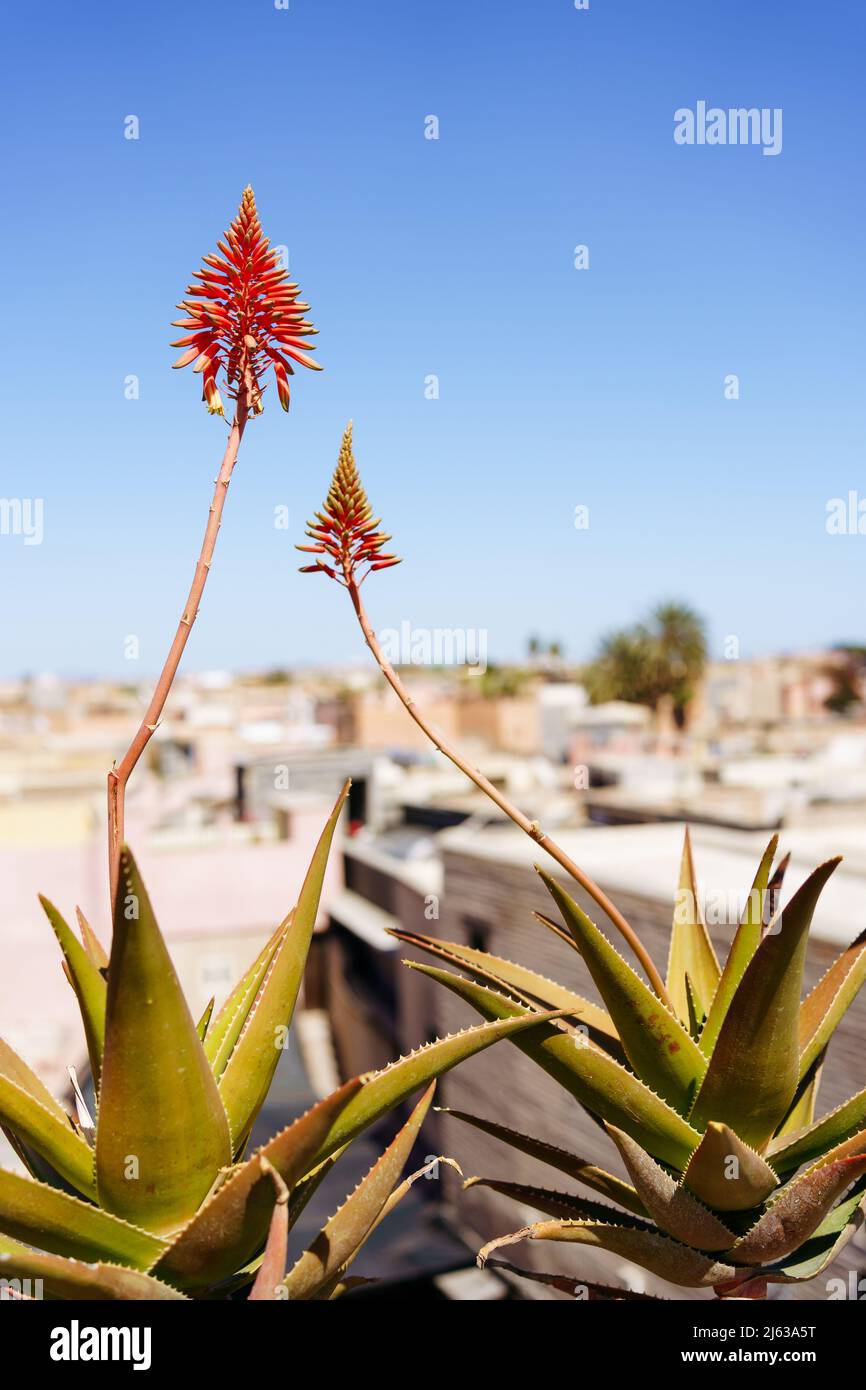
(452, 257)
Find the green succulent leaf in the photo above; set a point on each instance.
(88, 984)
(577, 1288)
(246, 1080)
(64, 1225)
(692, 956)
(340, 1237)
(670, 1205)
(532, 989)
(70, 1279)
(204, 1022)
(599, 1083)
(225, 1233)
(578, 1168)
(661, 1051)
(833, 1234)
(754, 1067)
(48, 1130)
(341, 1285)
(225, 1028)
(384, 1089)
(162, 1134)
(15, 1069)
(696, 1011)
(727, 1174)
(797, 1211)
(832, 1129)
(802, 1111)
(92, 945)
(745, 944)
(659, 1254)
(566, 1205)
(823, 1009)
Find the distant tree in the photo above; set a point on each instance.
(679, 638)
(848, 679)
(662, 656)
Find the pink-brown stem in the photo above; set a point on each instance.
(120, 774)
(530, 827)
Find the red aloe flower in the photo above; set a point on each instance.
(346, 529)
(244, 317)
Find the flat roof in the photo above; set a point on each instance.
(643, 861)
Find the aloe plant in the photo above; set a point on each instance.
(156, 1198)
(706, 1082)
(710, 1103)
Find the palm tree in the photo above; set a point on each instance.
(679, 640)
(665, 655)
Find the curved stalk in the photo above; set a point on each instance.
(530, 827)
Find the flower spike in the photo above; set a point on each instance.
(243, 317)
(346, 530)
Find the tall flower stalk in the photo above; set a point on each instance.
(242, 318)
(348, 547)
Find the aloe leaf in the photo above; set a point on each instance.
(309, 1185)
(248, 1074)
(671, 1206)
(823, 1009)
(657, 1045)
(204, 1022)
(802, 1111)
(696, 1010)
(567, 1205)
(754, 1068)
(557, 930)
(340, 1237)
(88, 984)
(659, 1254)
(797, 1211)
(833, 1234)
(384, 1089)
(691, 950)
(15, 1069)
(727, 1174)
(225, 1028)
(229, 1227)
(577, 1288)
(833, 1128)
(578, 1168)
(92, 945)
(64, 1225)
(339, 1284)
(774, 889)
(599, 1083)
(267, 1287)
(49, 1133)
(70, 1279)
(162, 1134)
(530, 987)
(746, 942)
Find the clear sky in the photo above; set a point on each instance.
(453, 257)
